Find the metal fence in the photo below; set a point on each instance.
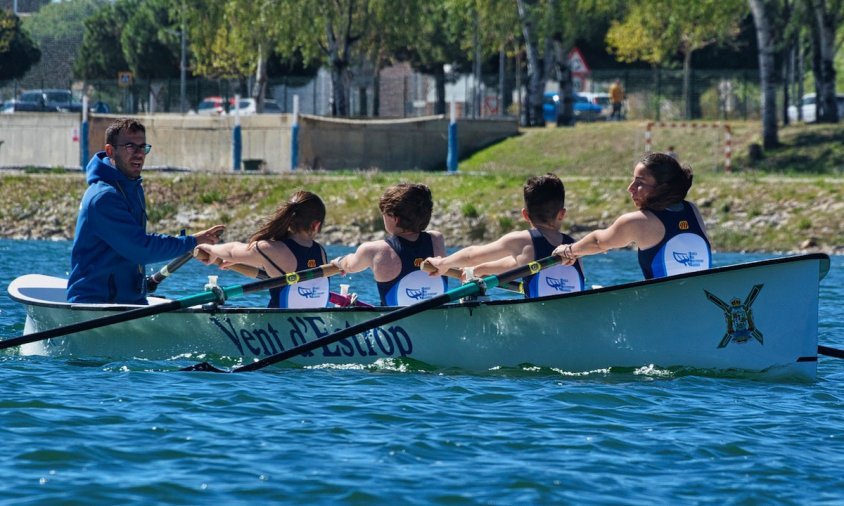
(650, 94)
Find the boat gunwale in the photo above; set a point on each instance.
(214, 309)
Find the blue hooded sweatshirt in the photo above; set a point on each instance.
(111, 246)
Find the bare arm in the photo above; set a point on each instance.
(361, 259)
(628, 228)
(512, 246)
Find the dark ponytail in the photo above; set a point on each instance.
(296, 215)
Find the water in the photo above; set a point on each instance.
(96, 432)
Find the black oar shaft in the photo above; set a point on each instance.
(469, 289)
(830, 352)
(156, 279)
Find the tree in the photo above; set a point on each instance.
(761, 10)
(333, 30)
(58, 29)
(101, 54)
(827, 15)
(655, 30)
(150, 40)
(17, 51)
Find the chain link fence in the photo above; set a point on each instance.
(655, 95)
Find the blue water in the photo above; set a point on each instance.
(95, 432)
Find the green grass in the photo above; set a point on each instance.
(793, 195)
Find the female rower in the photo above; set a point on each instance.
(284, 244)
(668, 230)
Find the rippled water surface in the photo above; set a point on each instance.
(87, 431)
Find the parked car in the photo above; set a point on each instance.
(809, 108)
(216, 105)
(47, 101)
(211, 106)
(249, 106)
(583, 109)
(8, 106)
(600, 99)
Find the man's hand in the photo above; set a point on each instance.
(210, 236)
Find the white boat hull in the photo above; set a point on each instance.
(760, 317)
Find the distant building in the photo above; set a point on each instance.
(23, 7)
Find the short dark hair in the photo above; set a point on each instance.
(672, 180)
(411, 204)
(544, 196)
(121, 125)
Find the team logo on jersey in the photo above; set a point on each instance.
(418, 293)
(312, 292)
(689, 259)
(311, 263)
(559, 285)
(739, 317)
(683, 225)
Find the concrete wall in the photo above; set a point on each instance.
(38, 139)
(205, 142)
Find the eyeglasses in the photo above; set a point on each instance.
(132, 148)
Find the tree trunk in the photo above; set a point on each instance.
(765, 41)
(439, 85)
(827, 109)
(687, 89)
(338, 65)
(258, 91)
(536, 81)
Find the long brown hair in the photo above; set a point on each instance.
(296, 215)
(672, 180)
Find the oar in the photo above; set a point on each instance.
(156, 279)
(830, 352)
(472, 288)
(513, 286)
(218, 295)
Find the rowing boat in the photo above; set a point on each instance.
(751, 317)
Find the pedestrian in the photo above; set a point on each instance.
(111, 246)
(617, 99)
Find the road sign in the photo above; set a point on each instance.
(124, 79)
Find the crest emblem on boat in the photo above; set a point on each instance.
(739, 317)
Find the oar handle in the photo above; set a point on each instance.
(513, 286)
(156, 279)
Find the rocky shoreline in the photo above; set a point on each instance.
(39, 206)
